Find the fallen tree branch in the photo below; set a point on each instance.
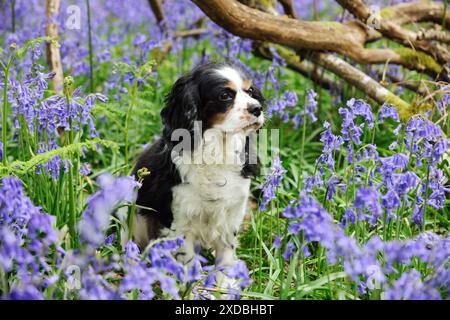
(160, 53)
(360, 80)
(436, 35)
(191, 33)
(420, 11)
(347, 39)
(414, 86)
(394, 31)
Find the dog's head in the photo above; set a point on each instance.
(220, 95)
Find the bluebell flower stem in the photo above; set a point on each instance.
(260, 231)
(4, 279)
(91, 53)
(131, 210)
(127, 121)
(399, 219)
(303, 138)
(72, 212)
(422, 227)
(13, 16)
(5, 108)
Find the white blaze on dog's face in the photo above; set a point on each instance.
(240, 103)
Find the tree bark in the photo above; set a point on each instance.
(156, 6)
(288, 8)
(53, 54)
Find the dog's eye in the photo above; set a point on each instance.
(225, 96)
(250, 92)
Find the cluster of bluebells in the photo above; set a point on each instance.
(27, 240)
(37, 264)
(409, 177)
(362, 263)
(42, 117)
(377, 190)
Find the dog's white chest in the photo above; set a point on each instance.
(210, 203)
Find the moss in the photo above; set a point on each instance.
(267, 3)
(331, 25)
(288, 55)
(404, 109)
(422, 108)
(413, 57)
(387, 13)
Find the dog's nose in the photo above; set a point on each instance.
(255, 109)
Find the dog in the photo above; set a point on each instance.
(200, 191)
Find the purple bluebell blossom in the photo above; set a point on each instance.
(388, 111)
(96, 218)
(85, 170)
(367, 199)
(390, 201)
(350, 216)
(310, 108)
(277, 243)
(289, 251)
(410, 287)
(272, 181)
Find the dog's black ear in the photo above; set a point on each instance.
(257, 94)
(181, 106)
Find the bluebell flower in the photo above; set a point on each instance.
(310, 108)
(100, 205)
(390, 201)
(330, 141)
(403, 182)
(277, 243)
(272, 181)
(388, 111)
(367, 199)
(360, 107)
(444, 102)
(84, 169)
(349, 216)
(410, 287)
(287, 254)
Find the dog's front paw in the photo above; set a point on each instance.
(229, 286)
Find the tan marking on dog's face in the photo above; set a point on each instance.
(218, 118)
(232, 85)
(246, 84)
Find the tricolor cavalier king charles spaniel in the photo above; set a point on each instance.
(200, 191)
